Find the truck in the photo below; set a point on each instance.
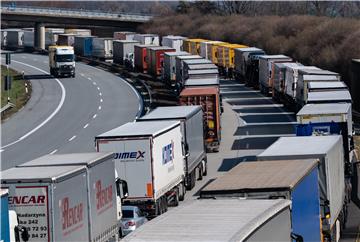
(205, 48)
(14, 38)
(62, 60)
(187, 63)
(179, 65)
(220, 220)
(266, 67)
(66, 39)
(226, 58)
(124, 35)
(175, 42)
(209, 99)
(335, 191)
(10, 228)
(149, 156)
(102, 48)
(51, 203)
(245, 65)
(328, 119)
(29, 39)
(141, 56)
(201, 82)
(124, 52)
(147, 39)
(192, 46)
(104, 192)
(192, 130)
(169, 73)
(295, 180)
(156, 59)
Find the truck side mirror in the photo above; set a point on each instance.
(122, 185)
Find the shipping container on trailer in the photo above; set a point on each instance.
(295, 180)
(14, 38)
(102, 48)
(156, 59)
(83, 45)
(175, 42)
(78, 32)
(179, 65)
(266, 68)
(205, 48)
(141, 55)
(170, 66)
(302, 86)
(209, 99)
(326, 86)
(243, 64)
(192, 46)
(29, 39)
(329, 97)
(66, 39)
(220, 220)
(149, 157)
(51, 203)
(334, 190)
(191, 119)
(124, 35)
(147, 39)
(327, 119)
(104, 201)
(52, 35)
(124, 52)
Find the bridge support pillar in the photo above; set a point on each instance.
(39, 36)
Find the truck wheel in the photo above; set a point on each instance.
(73, 75)
(182, 191)
(121, 235)
(158, 207)
(176, 197)
(200, 172)
(164, 204)
(204, 166)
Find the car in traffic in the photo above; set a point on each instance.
(132, 218)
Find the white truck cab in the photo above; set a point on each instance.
(62, 60)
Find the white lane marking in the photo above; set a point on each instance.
(99, 107)
(94, 115)
(72, 138)
(89, 78)
(98, 88)
(62, 100)
(100, 94)
(86, 125)
(82, 74)
(1, 151)
(94, 83)
(53, 152)
(101, 100)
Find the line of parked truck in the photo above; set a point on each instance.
(298, 190)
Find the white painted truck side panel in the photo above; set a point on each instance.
(168, 161)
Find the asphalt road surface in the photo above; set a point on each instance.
(64, 115)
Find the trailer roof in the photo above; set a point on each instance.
(198, 220)
(127, 41)
(325, 84)
(4, 192)
(274, 57)
(202, 82)
(133, 129)
(191, 91)
(144, 45)
(185, 57)
(329, 96)
(301, 146)
(320, 78)
(317, 72)
(197, 61)
(257, 175)
(173, 112)
(177, 53)
(202, 66)
(174, 37)
(87, 159)
(39, 174)
(324, 108)
(203, 71)
(161, 48)
(249, 49)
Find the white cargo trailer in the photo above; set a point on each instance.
(205, 50)
(191, 118)
(51, 203)
(329, 97)
(242, 59)
(149, 157)
(102, 48)
(179, 65)
(326, 86)
(170, 66)
(334, 194)
(103, 189)
(15, 38)
(175, 42)
(220, 220)
(147, 39)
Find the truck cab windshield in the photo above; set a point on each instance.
(64, 58)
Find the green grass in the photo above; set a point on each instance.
(17, 93)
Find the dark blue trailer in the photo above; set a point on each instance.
(296, 180)
(83, 45)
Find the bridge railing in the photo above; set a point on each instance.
(77, 12)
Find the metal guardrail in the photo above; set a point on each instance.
(6, 107)
(76, 13)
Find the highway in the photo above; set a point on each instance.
(64, 115)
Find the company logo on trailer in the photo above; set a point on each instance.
(27, 200)
(131, 156)
(168, 153)
(71, 216)
(104, 197)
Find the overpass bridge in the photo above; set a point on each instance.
(55, 17)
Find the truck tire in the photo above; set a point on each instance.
(73, 75)
(158, 207)
(164, 204)
(182, 191)
(200, 172)
(121, 235)
(176, 198)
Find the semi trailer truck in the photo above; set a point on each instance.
(62, 60)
